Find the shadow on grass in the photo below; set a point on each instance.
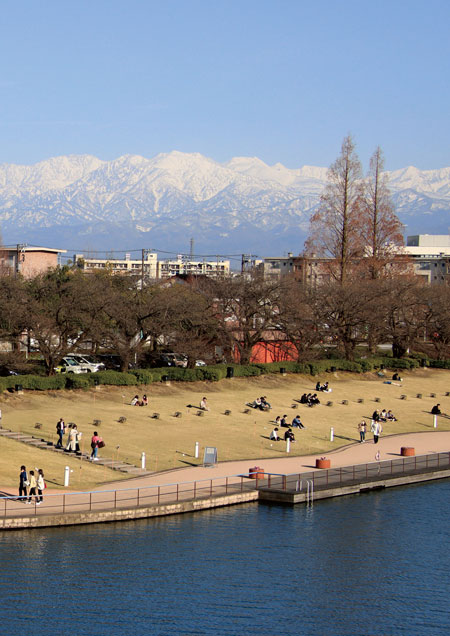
(184, 461)
(349, 439)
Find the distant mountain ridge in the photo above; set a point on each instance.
(80, 202)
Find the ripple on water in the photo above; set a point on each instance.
(369, 564)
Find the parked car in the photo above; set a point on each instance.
(88, 361)
(69, 365)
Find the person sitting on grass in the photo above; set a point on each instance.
(396, 377)
(265, 406)
(204, 404)
(144, 401)
(304, 399)
(274, 435)
(135, 401)
(283, 422)
(383, 415)
(256, 404)
(289, 435)
(296, 422)
(436, 410)
(390, 417)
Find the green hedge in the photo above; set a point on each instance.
(34, 382)
(143, 376)
(439, 364)
(212, 373)
(116, 378)
(401, 363)
(78, 381)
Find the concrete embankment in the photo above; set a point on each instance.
(125, 514)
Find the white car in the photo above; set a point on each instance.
(69, 365)
(88, 362)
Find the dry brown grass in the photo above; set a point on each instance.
(169, 441)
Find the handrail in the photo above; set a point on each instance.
(196, 489)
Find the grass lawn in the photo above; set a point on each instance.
(169, 441)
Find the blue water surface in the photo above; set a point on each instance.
(374, 564)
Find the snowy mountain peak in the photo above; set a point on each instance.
(243, 204)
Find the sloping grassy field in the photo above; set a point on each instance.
(169, 441)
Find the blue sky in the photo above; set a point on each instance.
(281, 80)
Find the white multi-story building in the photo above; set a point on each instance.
(430, 255)
(182, 266)
(148, 266)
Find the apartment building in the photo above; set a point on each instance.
(127, 265)
(151, 267)
(183, 266)
(28, 261)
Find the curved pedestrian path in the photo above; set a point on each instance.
(159, 488)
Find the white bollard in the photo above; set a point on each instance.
(143, 461)
(66, 475)
(196, 450)
(435, 421)
(288, 445)
(331, 434)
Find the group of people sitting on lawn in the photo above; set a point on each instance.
(310, 399)
(260, 403)
(323, 387)
(383, 416)
(283, 423)
(136, 401)
(289, 435)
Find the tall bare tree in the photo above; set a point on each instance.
(381, 229)
(334, 228)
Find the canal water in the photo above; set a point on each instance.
(373, 564)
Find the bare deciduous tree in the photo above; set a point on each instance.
(335, 227)
(381, 229)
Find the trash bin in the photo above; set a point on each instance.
(333, 369)
(19, 388)
(256, 472)
(283, 371)
(230, 372)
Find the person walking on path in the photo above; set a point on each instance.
(362, 431)
(40, 486)
(23, 483)
(377, 429)
(60, 428)
(94, 445)
(33, 486)
(71, 444)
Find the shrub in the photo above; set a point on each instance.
(439, 364)
(401, 363)
(143, 376)
(78, 381)
(246, 370)
(116, 378)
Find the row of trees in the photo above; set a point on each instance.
(65, 310)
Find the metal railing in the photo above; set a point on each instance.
(61, 503)
(359, 473)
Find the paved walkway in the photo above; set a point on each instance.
(355, 453)
(180, 481)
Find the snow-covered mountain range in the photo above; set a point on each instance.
(79, 202)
